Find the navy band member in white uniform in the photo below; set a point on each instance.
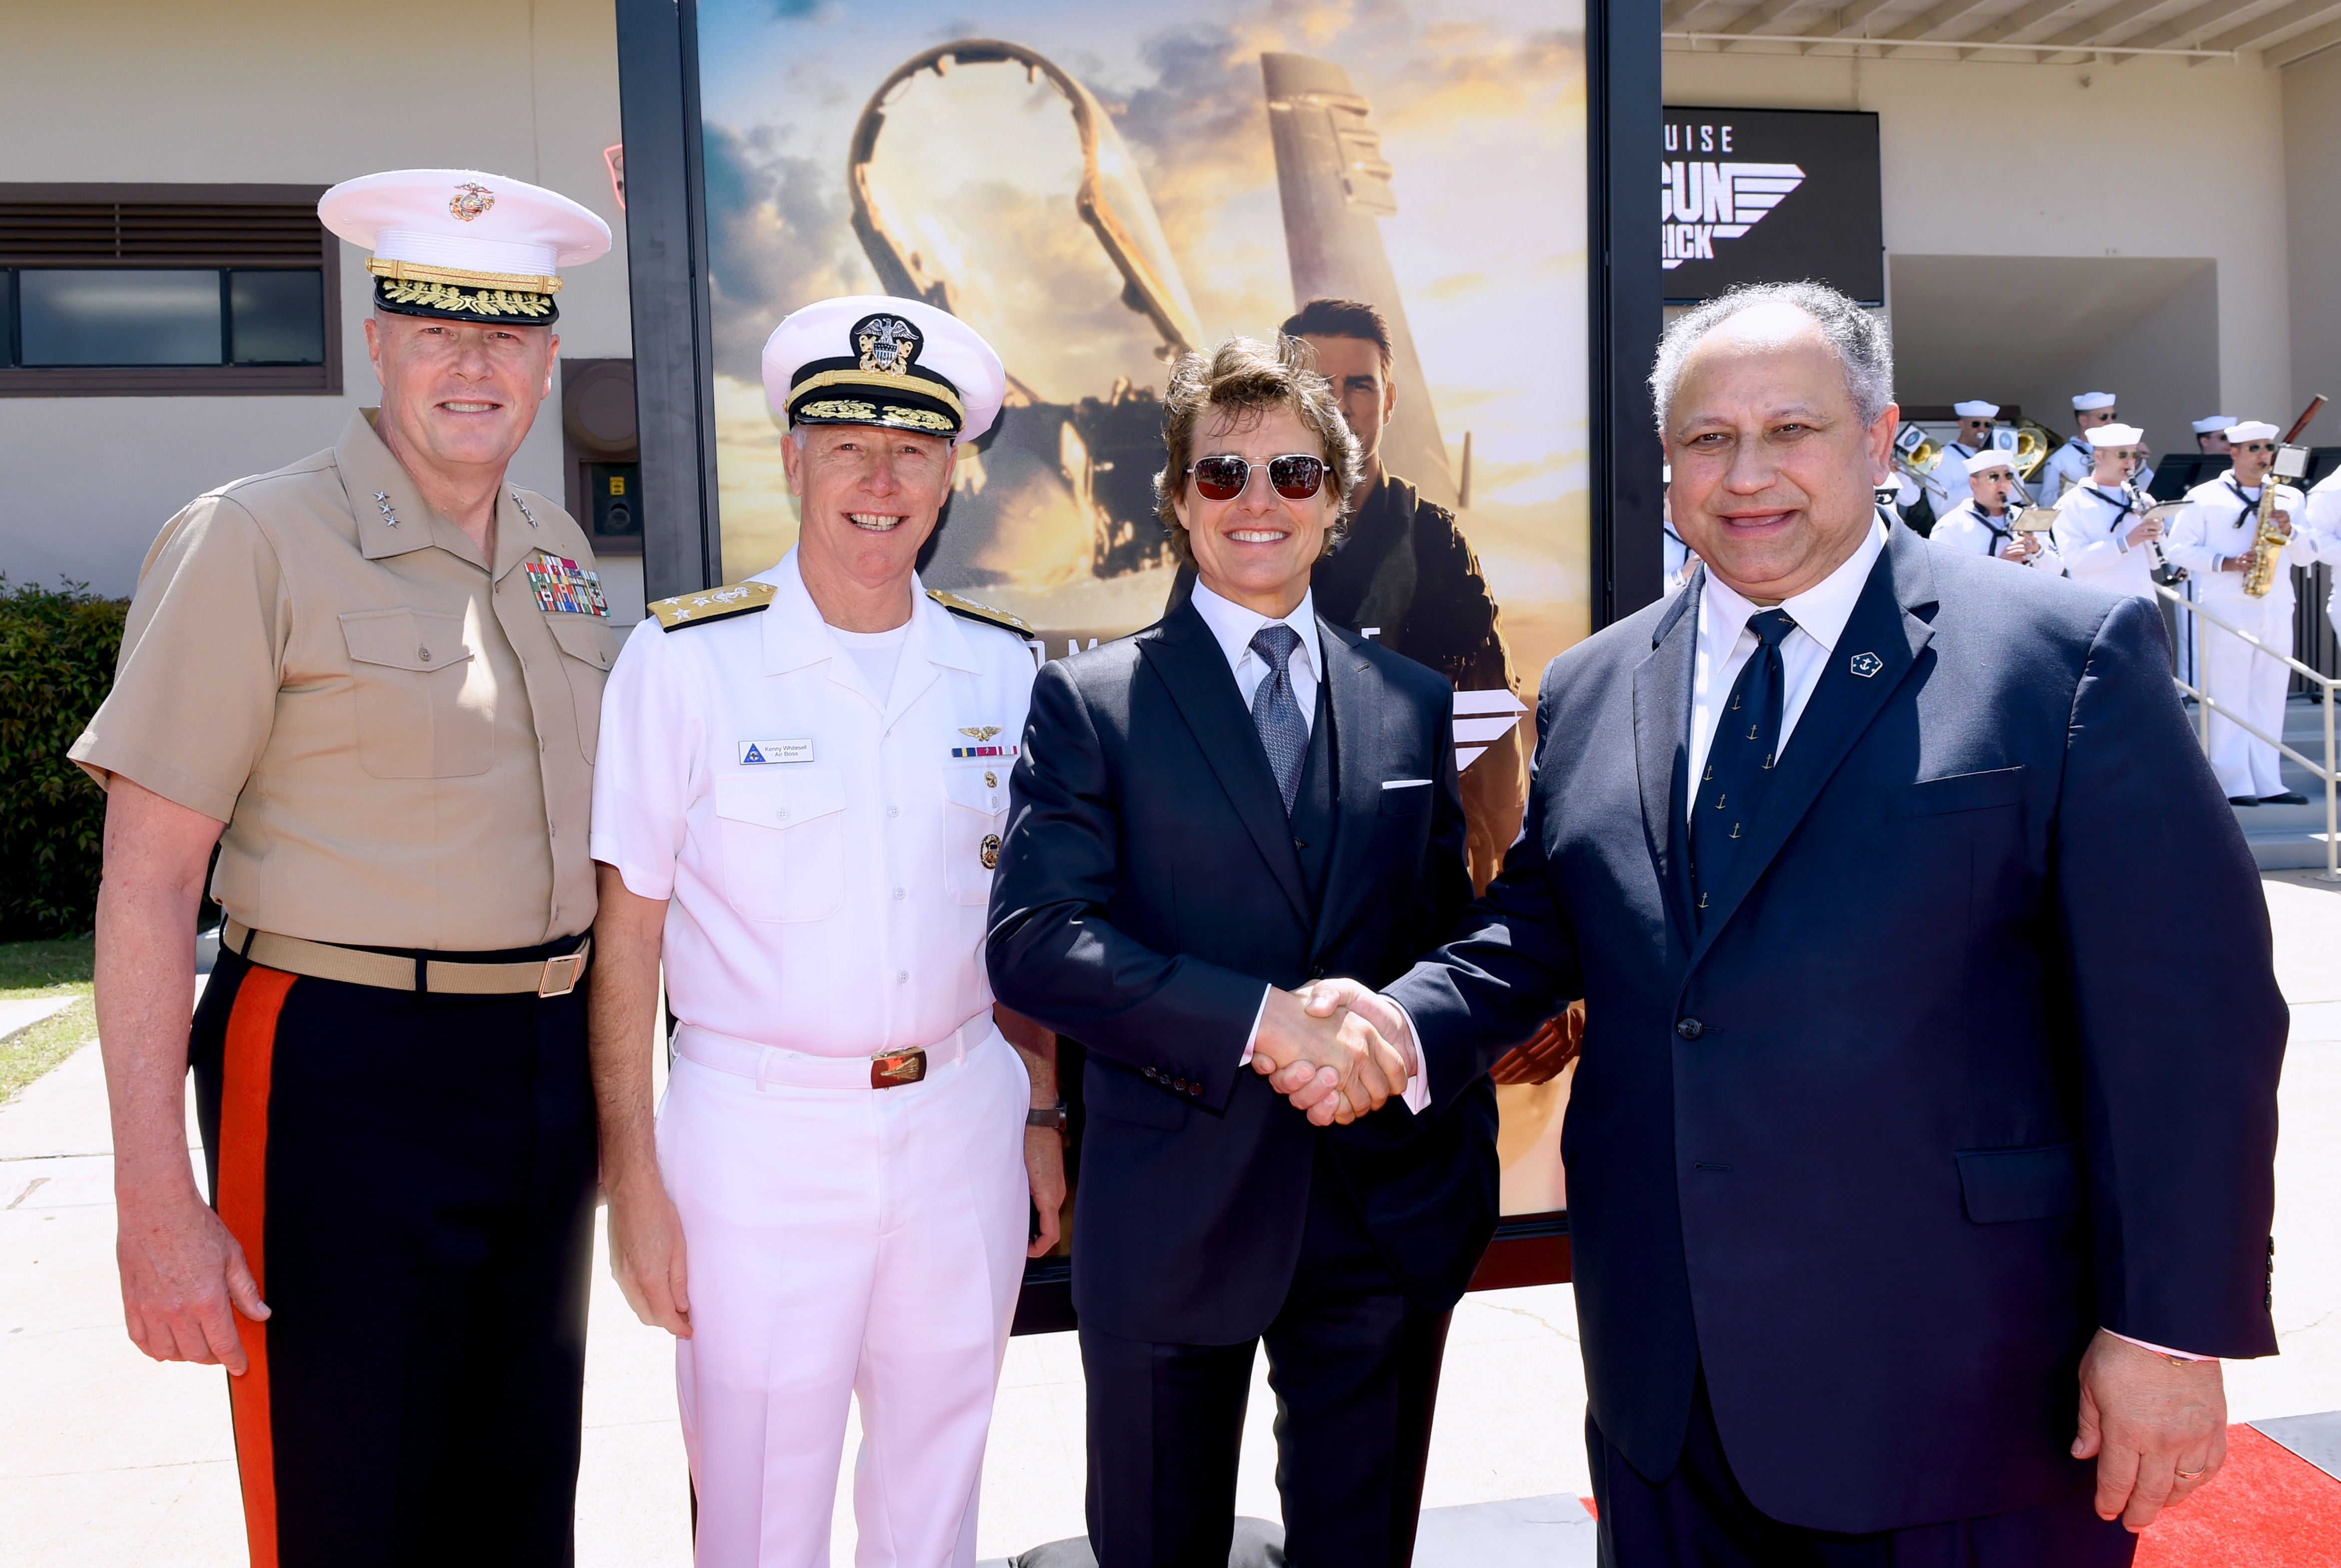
(1975, 418)
(2322, 522)
(2211, 433)
(371, 676)
(806, 779)
(2071, 464)
(2103, 534)
(1985, 523)
(2212, 538)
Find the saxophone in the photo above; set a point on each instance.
(2266, 554)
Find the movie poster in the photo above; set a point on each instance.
(1097, 189)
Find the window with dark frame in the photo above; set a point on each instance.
(161, 289)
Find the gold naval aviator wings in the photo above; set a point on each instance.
(714, 604)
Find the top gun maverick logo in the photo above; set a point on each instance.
(1701, 203)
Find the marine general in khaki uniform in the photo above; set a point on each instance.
(372, 678)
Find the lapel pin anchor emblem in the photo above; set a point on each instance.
(1867, 665)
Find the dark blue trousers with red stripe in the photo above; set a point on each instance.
(411, 1177)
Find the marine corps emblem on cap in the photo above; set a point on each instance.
(446, 244)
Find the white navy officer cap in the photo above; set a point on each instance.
(2089, 402)
(2216, 425)
(2251, 430)
(1975, 408)
(2114, 435)
(463, 245)
(874, 359)
(1991, 457)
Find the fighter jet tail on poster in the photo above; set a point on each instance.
(1335, 186)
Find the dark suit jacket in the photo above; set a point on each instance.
(1975, 1051)
(1147, 889)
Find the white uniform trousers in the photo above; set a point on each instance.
(2243, 681)
(845, 1241)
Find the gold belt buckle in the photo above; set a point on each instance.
(896, 1068)
(561, 974)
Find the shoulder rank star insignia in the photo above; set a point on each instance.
(712, 605)
(983, 612)
(1867, 665)
(980, 731)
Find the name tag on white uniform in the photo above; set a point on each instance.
(753, 752)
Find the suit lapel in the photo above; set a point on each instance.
(1188, 659)
(1661, 716)
(1353, 700)
(1843, 705)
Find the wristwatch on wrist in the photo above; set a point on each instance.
(1047, 1117)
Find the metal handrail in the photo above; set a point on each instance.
(2205, 705)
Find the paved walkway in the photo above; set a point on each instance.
(109, 1459)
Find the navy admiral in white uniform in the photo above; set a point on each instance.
(2103, 534)
(2070, 465)
(1985, 523)
(803, 781)
(1975, 418)
(2212, 538)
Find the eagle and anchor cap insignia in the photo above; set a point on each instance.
(874, 360)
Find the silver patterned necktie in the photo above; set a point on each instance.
(1275, 712)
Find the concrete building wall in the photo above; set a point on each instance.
(2017, 196)
(2312, 209)
(278, 91)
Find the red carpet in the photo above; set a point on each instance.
(2269, 1508)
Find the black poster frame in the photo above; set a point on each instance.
(666, 247)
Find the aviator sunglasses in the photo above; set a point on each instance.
(1296, 476)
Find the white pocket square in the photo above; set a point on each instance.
(1404, 783)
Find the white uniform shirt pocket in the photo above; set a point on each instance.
(783, 842)
(975, 814)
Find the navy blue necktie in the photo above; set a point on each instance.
(1276, 713)
(1739, 760)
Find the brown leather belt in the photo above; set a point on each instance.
(554, 977)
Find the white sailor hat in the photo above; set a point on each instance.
(2089, 402)
(2114, 435)
(463, 245)
(2216, 425)
(1975, 408)
(1991, 457)
(2251, 430)
(874, 359)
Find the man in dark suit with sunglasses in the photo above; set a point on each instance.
(1207, 816)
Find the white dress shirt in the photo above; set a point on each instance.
(1233, 626)
(1726, 644)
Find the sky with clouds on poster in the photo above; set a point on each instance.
(1481, 108)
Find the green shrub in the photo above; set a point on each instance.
(57, 648)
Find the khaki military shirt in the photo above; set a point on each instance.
(399, 736)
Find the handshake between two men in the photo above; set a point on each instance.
(1337, 1049)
